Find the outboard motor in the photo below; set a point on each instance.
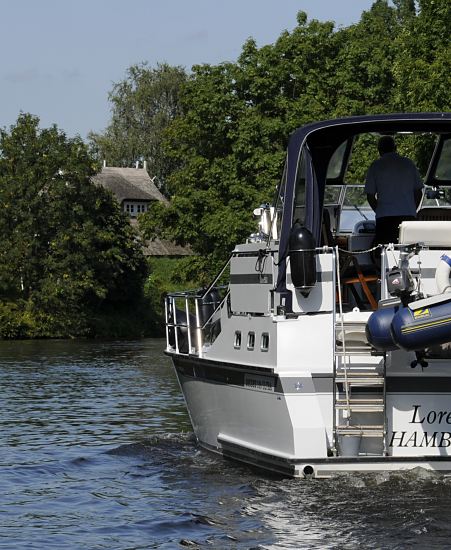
(301, 249)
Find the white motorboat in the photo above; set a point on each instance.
(321, 354)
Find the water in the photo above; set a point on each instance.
(97, 452)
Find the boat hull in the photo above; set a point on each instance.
(284, 425)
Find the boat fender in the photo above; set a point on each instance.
(301, 249)
(378, 329)
(442, 274)
(208, 305)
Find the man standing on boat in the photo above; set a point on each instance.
(394, 190)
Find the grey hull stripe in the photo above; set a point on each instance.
(321, 277)
(257, 378)
(262, 458)
(267, 278)
(264, 378)
(419, 384)
(251, 279)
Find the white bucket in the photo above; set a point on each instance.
(349, 445)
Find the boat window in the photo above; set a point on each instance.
(443, 171)
(251, 341)
(237, 340)
(332, 194)
(355, 208)
(355, 196)
(336, 162)
(440, 197)
(264, 345)
(299, 207)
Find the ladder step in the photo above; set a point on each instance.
(360, 427)
(350, 352)
(362, 400)
(355, 326)
(361, 408)
(361, 382)
(363, 431)
(361, 405)
(358, 351)
(352, 372)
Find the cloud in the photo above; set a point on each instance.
(34, 76)
(197, 36)
(26, 76)
(71, 74)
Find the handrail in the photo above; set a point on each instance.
(213, 284)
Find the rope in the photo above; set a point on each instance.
(357, 252)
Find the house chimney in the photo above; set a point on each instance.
(145, 165)
(137, 164)
(104, 163)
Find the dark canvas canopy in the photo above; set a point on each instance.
(318, 142)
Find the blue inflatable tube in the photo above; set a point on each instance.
(422, 324)
(378, 329)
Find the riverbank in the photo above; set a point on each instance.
(19, 321)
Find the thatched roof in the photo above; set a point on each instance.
(158, 247)
(129, 184)
(135, 184)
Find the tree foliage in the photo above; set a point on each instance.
(68, 253)
(228, 143)
(143, 105)
(423, 64)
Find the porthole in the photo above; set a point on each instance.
(237, 339)
(264, 344)
(250, 341)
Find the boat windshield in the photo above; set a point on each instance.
(353, 205)
(440, 197)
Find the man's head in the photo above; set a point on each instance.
(386, 144)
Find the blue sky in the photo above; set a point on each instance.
(59, 58)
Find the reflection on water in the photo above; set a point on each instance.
(97, 452)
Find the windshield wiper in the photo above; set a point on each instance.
(359, 211)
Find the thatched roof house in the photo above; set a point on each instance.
(135, 191)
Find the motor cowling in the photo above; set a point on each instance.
(301, 250)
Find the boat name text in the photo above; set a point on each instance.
(257, 382)
(424, 439)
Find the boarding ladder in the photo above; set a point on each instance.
(359, 385)
(359, 389)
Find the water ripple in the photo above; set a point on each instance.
(98, 453)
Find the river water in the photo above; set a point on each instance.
(97, 452)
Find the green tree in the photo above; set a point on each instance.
(228, 144)
(68, 254)
(143, 105)
(423, 65)
(364, 64)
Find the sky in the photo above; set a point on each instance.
(60, 58)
